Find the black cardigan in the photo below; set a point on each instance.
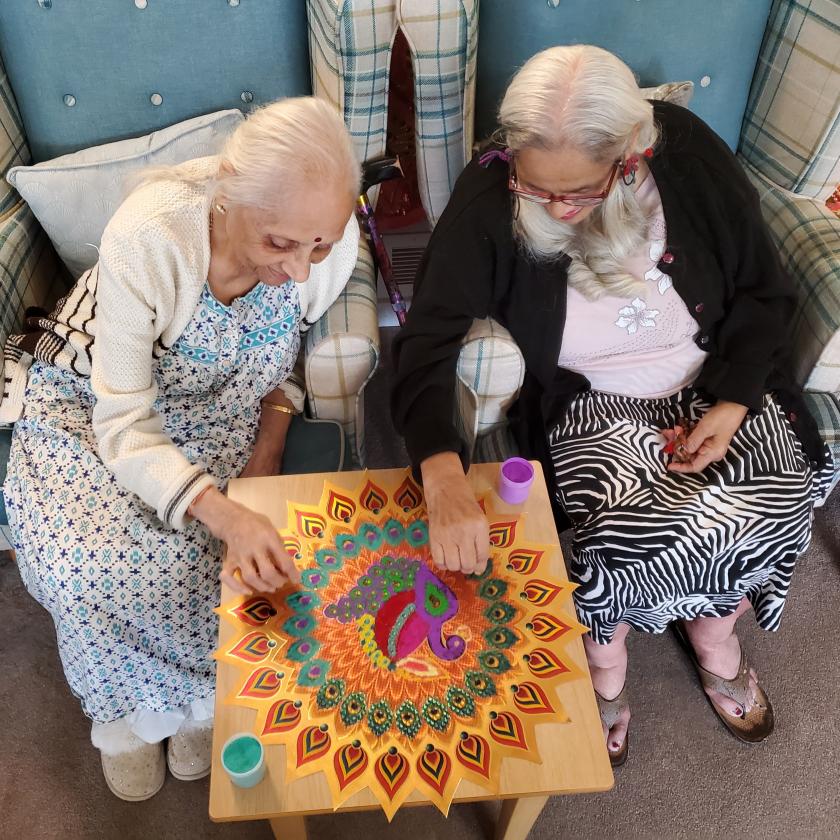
(725, 268)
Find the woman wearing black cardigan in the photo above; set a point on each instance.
(621, 244)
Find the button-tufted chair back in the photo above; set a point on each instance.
(88, 73)
(714, 43)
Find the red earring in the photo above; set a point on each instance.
(631, 166)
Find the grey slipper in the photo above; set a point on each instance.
(189, 753)
(137, 774)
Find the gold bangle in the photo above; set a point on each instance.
(277, 407)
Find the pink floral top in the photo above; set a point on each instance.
(640, 347)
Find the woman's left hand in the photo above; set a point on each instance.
(710, 439)
(260, 464)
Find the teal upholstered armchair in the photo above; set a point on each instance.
(766, 79)
(73, 77)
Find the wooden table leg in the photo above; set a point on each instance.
(518, 816)
(288, 828)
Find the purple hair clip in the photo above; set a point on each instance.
(488, 157)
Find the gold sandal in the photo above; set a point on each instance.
(752, 725)
(611, 711)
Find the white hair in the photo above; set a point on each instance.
(282, 148)
(583, 98)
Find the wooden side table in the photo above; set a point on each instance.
(574, 755)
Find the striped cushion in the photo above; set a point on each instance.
(791, 130)
(808, 238)
(30, 271)
(490, 373)
(443, 38)
(13, 148)
(342, 354)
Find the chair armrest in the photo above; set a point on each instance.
(489, 375)
(30, 272)
(342, 354)
(13, 148)
(808, 238)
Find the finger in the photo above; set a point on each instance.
(687, 467)
(289, 568)
(438, 557)
(233, 582)
(482, 547)
(703, 460)
(668, 434)
(466, 550)
(696, 465)
(697, 437)
(452, 557)
(269, 574)
(282, 560)
(248, 573)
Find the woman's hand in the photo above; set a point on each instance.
(458, 532)
(710, 439)
(254, 549)
(261, 464)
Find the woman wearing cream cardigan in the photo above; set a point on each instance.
(162, 374)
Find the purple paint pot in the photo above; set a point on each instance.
(515, 479)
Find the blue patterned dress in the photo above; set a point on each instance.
(132, 600)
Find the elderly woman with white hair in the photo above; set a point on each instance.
(162, 374)
(621, 244)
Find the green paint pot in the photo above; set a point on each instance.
(243, 758)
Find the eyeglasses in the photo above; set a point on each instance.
(539, 197)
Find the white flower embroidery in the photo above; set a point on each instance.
(636, 315)
(662, 280)
(657, 249)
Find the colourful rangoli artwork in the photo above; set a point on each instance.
(385, 672)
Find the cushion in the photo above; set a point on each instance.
(791, 131)
(74, 196)
(87, 74)
(680, 93)
(313, 446)
(659, 39)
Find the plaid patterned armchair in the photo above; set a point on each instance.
(111, 56)
(789, 145)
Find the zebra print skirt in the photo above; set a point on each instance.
(652, 546)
